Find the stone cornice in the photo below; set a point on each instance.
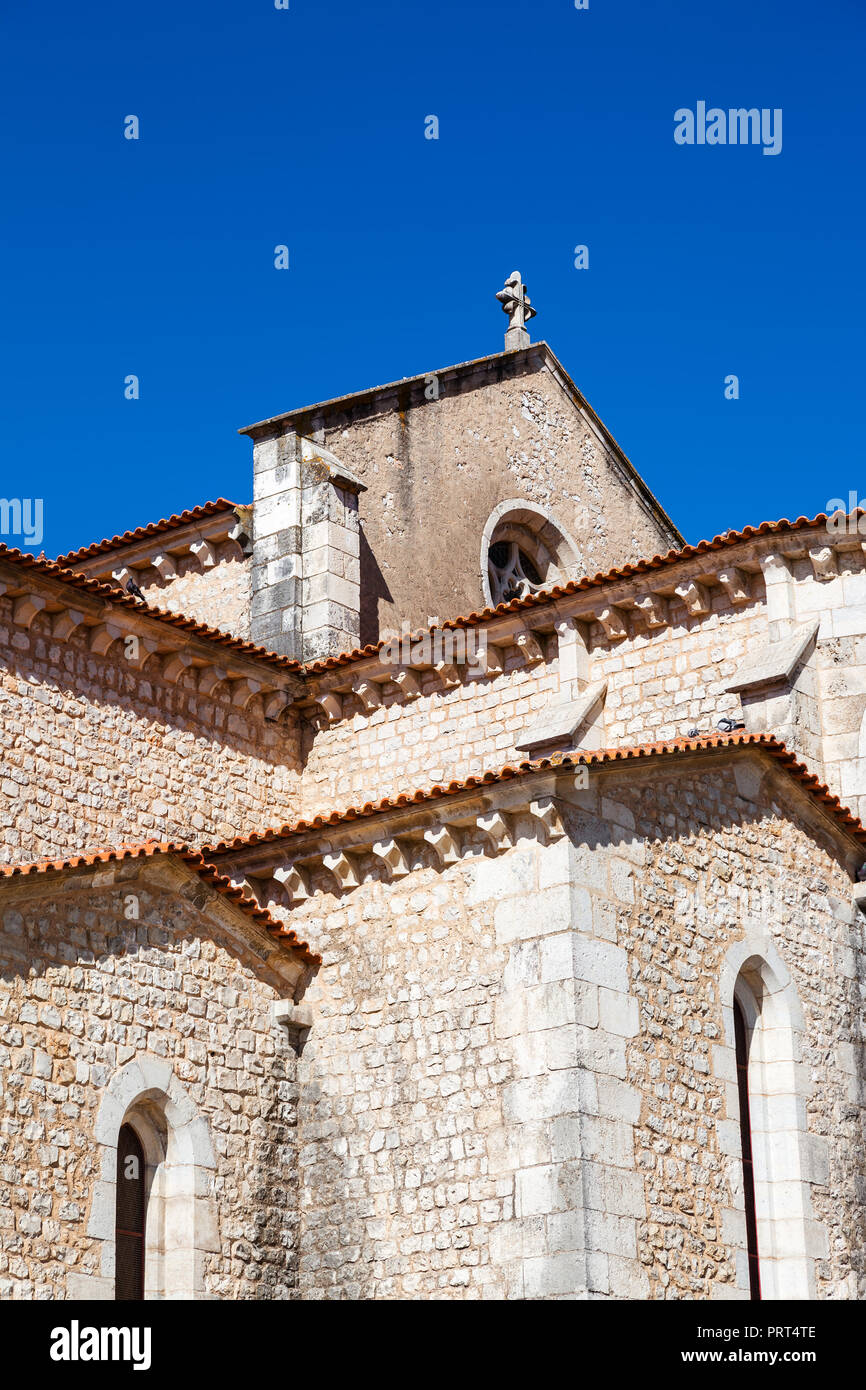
(107, 620)
(462, 818)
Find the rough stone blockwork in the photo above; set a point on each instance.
(219, 596)
(519, 1081)
(85, 992)
(98, 753)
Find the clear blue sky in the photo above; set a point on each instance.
(306, 127)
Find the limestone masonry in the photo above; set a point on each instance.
(443, 883)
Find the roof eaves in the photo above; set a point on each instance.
(140, 533)
(608, 757)
(194, 859)
(110, 593)
(587, 582)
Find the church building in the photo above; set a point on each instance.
(427, 877)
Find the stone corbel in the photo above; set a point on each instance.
(391, 856)
(696, 597)
(343, 869)
(104, 636)
(240, 536)
(330, 704)
(123, 576)
(529, 647)
(295, 880)
(275, 703)
(175, 664)
(211, 677)
(494, 828)
(447, 673)
(407, 683)
(204, 552)
(445, 842)
(165, 565)
(369, 693)
(137, 650)
(25, 608)
(64, 624)
(614, 622)
(489, 661)
(824, 562)
(736, 584)
(654, 609)
(296, 1017)
(243, 691)
(545, 813)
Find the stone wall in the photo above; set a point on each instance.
(85, 993)
(667, 671)
(520, 1080)
(218, 596)
(96, 752)
(444, 734)
(660, 684)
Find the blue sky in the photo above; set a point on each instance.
(305, 127)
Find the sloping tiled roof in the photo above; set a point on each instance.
(603, 758)
(574, 586)
(142, 533)
(596, 581)
(52, 570)
(148, 849)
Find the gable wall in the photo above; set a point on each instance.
(435, 470)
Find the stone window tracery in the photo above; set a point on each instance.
(511, 572)
(524, 551)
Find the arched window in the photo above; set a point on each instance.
(157, 1222)
(524, 550)
(742, 1050)
(770, 1181)
(130, 1215)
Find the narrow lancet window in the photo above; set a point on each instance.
(742, 1048)
(129, 1283)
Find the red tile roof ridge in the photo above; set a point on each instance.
(152, 528)
(148, 849)
(704, 742)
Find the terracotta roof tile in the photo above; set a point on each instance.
(141, 533)
(599, 580)
(574, 586)
(208, 872)
(51, 569)
(669, 747)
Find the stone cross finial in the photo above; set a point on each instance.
(518, 306)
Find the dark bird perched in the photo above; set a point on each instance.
(693, 733)
(861, 874)
(727, 725)
(132, 588)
